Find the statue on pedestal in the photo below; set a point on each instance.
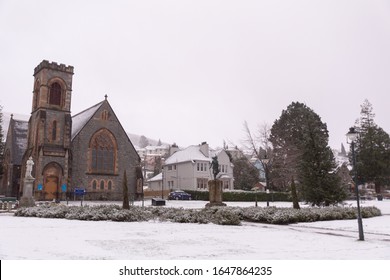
(215, 166)
(27, 199)
(215, 186)
(29, 167)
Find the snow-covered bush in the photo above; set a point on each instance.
(216, 215)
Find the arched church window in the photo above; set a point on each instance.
(102, 184)
(94, 184)
(55, 94)
(103, 149)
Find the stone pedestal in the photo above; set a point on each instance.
(27, 199)
(215, 194)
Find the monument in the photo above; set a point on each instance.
(215, 186)
(27, 199)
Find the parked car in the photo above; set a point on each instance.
(179, 195)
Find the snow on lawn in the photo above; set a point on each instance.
(37, 238)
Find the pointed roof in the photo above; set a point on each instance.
(19, 133)
(82, 118)
(156, 178)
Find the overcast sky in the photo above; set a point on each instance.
(194, 71)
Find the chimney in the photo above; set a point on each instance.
(173, 149)
(204, 148)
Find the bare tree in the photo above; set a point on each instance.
(258, 142)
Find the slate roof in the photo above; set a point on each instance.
(81, 119)
(19, 130)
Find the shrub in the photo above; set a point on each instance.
(216, 215)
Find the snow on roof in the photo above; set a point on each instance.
(7, 117)
(80, 120)
(158, 177)
(20, 131)
(191, 153)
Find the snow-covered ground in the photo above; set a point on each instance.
(49, 239)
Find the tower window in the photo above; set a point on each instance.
(55, 94)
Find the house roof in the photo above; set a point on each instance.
(191, 153)
(156, 178)
(81, 119)
(19, 130)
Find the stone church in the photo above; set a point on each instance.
(89, 151)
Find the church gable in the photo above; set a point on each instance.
(101, 152)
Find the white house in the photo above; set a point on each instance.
(155, 183)
(189, 169)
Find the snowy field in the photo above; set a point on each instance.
(60, 239)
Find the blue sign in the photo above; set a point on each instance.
(40, 187)
(63, 188)
(79, 191)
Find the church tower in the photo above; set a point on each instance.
(49, 129)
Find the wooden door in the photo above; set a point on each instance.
(51, 187)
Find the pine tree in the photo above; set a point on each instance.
(301, 151)
(372, 150)
(246, 176)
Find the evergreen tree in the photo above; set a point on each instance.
(157, 166)
(301, 151)
(246, 176)
(372, 150)
(126, 203)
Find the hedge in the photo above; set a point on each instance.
(242, 196)
(216, 215)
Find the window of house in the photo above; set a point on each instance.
(55, 94)
(202, 183)
(103, 152)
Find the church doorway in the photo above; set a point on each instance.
(51, 188)
(52, 174)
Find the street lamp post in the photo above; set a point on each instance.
(352, 136)
(265, 162)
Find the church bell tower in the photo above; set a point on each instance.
(49, 130)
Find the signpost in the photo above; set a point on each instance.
(80, 192)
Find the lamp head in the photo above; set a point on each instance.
(352, 134)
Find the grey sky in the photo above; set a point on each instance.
(193, 71)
